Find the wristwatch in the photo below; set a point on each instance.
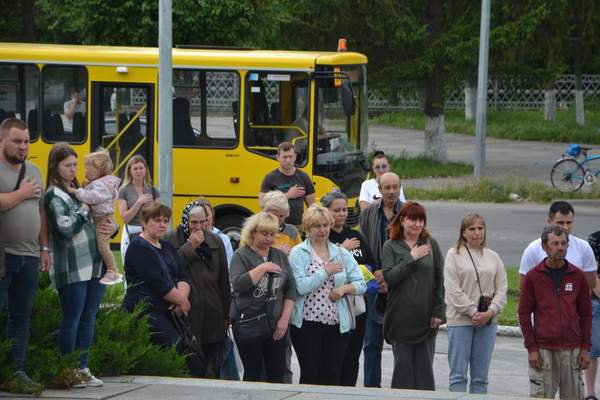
(45, 248)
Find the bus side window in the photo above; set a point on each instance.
(277, 110)
(19, 94)
(205, 111)
(65, 103)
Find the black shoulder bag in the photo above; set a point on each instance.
(484, 301)
(188, 345)
(254, 328)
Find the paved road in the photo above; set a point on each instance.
(532, 160)
(510, 226)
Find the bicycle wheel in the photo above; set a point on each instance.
(567, 175)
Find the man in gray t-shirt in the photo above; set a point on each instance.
(23, 236)
(294, 183)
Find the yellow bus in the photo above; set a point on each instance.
(231, 108)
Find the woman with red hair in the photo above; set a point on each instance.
(413, 268)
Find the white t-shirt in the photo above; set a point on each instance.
(79, 108)
(579, 253)
(369, 192)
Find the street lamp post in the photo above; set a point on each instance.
(482, 80)
(165, 103)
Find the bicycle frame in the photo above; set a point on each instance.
(586, 160)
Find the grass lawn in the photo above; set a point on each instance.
(497, 190)
(510, 124)
(424, 167)
(509, 315)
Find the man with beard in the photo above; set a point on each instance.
(373, 224)
(23, 236)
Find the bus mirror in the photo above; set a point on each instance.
(348, 101)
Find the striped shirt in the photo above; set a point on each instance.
(75, 257)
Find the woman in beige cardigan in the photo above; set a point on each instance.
(475, 283)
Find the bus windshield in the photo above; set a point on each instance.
(340, 139)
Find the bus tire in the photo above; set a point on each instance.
(231, 225)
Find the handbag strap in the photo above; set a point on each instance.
(21, 175)
(476, 273)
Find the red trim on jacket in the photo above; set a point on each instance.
(562, 318)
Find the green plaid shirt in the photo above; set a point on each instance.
(75, 257)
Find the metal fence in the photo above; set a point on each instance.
(505, 92)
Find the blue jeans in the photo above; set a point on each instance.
(595, 353)
(18, 289)
(470, 348)
(373, 346)
(79, 303)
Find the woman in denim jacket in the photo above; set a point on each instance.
(325, 274)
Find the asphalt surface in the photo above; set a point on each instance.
(510, 227)
(506, 158)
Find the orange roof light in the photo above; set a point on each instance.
(342, 44)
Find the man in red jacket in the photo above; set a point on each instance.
(559, 341)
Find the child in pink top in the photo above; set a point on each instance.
(100, 194)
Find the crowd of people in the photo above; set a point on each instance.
(301, 278)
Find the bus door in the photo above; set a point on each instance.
(122, 121)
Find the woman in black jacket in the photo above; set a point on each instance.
(205, 263)
(156, 278)
(353, 241)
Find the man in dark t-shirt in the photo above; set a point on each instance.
(296, 184)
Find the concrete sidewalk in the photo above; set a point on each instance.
(155, 388)
(507, 377)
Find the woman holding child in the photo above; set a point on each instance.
(76, 263)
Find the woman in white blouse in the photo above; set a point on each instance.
(325, 274)
(369, 190)
(475, 282)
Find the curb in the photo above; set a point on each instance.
(503, 330)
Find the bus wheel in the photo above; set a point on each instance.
(231, 225)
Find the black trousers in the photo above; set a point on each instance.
(214, 356)
(320, 350)
(270, 353)
(351, 363)
(413, 365)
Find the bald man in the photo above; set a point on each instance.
(373, 224)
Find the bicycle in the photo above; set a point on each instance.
(572, 170)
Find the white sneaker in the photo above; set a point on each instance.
(111, 278)
(81, 384)
(89, 379)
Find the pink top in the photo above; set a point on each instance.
(100, 195)
(317, 306)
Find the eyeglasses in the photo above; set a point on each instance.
(199, 222)
(381, 166)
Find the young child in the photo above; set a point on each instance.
(99, 194)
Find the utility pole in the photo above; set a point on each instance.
(482, 81)
(165, 102)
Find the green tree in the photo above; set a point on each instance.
(581, 44)
(135, 22)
